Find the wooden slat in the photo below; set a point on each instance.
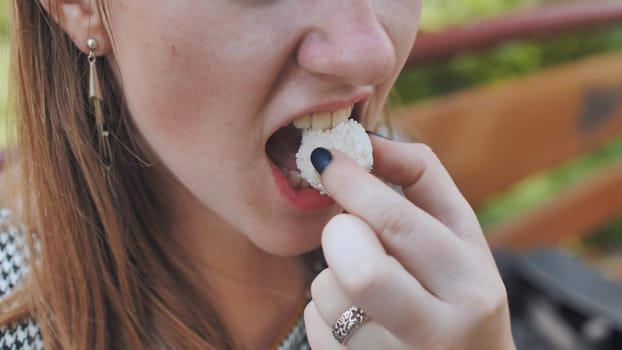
(490, 137)
(574, 214)
(549, 20)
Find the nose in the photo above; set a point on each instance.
(347, 41)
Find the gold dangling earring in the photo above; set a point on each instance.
(96, 100)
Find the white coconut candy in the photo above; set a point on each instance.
(348, 137)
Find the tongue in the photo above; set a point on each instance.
(283, 145)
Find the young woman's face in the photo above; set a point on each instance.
(209, 82)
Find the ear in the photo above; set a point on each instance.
(81, 21)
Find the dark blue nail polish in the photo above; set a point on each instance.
(369, 132)
(320, 158)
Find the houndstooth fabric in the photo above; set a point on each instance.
(297, 338)
(26, 335)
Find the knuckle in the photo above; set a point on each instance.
(309, 312)
(426, 153)
(339, 220)
(362, 282)
(337, 223)
(487, 302)
(319, 282)
(396, 223)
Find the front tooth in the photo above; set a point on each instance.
(321, 121)
(340, 116)
(303, 122)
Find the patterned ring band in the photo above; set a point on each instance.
(349, 321)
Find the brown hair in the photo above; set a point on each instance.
(105, 273)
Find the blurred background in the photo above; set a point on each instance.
(548, 53)
(522, 101)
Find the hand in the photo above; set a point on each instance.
(418, 266)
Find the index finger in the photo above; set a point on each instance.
(427, 184)
(408, 233)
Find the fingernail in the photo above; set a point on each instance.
(320, 158)
(369, 132)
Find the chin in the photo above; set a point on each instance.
(291, 237)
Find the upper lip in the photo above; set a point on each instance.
(331, 106)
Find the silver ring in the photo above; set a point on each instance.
(349, 321)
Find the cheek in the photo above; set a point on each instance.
(402, 24)
(401, 21)
(196, 100)
(177, 97)
(184, 86)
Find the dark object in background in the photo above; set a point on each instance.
(558, 303)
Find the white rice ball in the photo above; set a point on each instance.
(348, 137)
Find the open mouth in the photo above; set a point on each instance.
(283, 145)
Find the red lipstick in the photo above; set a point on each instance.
(306, 199)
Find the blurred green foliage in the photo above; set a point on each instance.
(506, 61)
(4, 16)
(443, 13)
(536, 189)
(608, 238)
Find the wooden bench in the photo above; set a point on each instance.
(490, 137)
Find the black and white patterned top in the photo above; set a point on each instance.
(26, 335)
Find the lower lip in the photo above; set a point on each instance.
(306, 199)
